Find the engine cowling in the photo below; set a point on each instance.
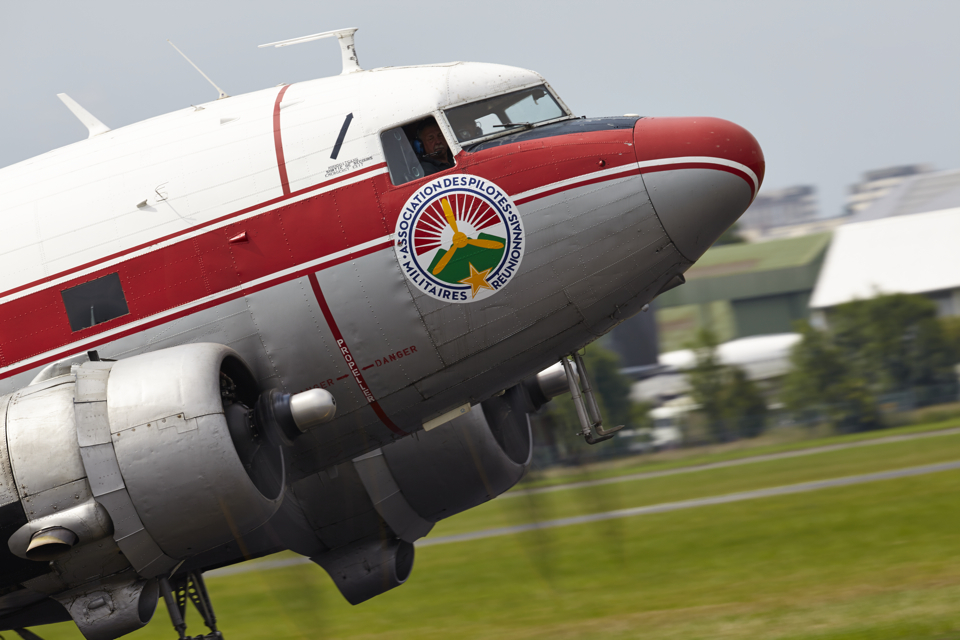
(358, 519)
(152, 456)
(458, 466)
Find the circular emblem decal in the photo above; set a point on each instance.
(459, 238)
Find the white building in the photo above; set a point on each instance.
(918, 253)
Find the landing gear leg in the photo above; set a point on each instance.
(588, 412)
(189, 587)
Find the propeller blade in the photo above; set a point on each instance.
(486, 244)
(448, 214)
(446, 257)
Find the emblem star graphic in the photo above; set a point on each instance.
(477, 280)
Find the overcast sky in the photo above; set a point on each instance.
(830, 89)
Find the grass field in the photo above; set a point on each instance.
(775, 441)
(879, 560)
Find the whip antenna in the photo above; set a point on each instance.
(206, 77)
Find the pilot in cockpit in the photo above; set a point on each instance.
(432, 150)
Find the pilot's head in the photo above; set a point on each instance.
(434, 144)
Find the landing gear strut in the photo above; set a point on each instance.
(176, 594)
(591, 424)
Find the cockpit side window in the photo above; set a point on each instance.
(416, 150)
(401, 159)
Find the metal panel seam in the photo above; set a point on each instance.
(100, 462)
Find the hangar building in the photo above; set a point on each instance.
(918, 253)
(742, 290)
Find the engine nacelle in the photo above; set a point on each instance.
(458, 466)
(359, 519)
(153, 456)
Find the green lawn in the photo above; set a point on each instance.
(766, 444)
(520, 509)
(879, 560)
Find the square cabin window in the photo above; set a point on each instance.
(94, 302)
(416, 150)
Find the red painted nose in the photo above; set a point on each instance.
(701, 175)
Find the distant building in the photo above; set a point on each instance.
(743, 290)
(822, 225)
(898, 254)
(761, 358)
(917, 193)
(774, 209)
(878, 183)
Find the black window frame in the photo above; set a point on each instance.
(94, 302)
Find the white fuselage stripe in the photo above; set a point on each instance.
(661, 162)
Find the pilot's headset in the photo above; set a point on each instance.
(417, 145)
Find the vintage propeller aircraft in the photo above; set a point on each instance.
(279, 321)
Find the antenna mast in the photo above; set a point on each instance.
(207, 78)
(347, 49)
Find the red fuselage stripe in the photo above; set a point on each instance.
(278, 142)
(352, 365)
(202, 225)
(96, 341)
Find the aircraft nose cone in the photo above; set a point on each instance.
(701, 175)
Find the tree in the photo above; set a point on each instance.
(951, 333)
(706, 383)
(890, 343)
(732, 404)
(745, 409)
(823, 382)
(895, 341)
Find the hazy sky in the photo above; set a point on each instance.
(830, 89)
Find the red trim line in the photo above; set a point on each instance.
(703, 165)
(278, 143)
(348, 357)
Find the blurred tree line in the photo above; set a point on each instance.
(872, 350)
(890, 346)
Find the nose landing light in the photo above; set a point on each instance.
(701, 175)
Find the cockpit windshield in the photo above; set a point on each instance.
(507, 113)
